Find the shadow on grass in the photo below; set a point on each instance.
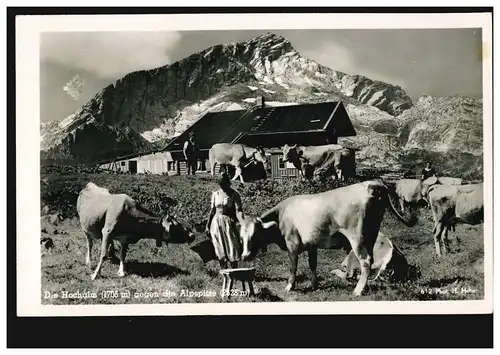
(444, 281)
(399, 276)
(260, 278)
(266, 295)
(333, 284)
(153, 269)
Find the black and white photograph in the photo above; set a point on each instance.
(257, 162)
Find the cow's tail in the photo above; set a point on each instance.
(391, 196)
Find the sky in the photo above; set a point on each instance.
(437, 62)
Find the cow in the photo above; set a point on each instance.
(237, 155)
(451, 205)
(411, 191)
(441, 180)
(446, 180)
(324, 160)
(414, 191)
(118, 217)
(323, 220)
(386, 256)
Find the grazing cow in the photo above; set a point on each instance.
(385, 256)
(118, 217)
(445, 180)
(442, 180)
(323, 220)
(237, 155)
(324, 160)
(413, 191)
(451, 205)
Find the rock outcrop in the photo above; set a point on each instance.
(148, 105)
(151, 106)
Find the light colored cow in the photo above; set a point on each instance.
(325, 160)
(237, 155)
(411, 191)
(451, 205)
(441, 180)
(323, 220)
(446, 180)
(118, 217)
(385, 256)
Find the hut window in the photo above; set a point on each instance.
(123, 163)
(281, 163)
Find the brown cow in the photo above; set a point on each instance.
(325, 160)
(118, 217)
(323, 220)
(385, 256)
(451, 205)
(237, 155)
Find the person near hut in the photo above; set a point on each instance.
(427, 172)
(191, 154)
(226, 208)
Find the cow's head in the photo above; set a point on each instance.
(260, 155)
(175, 232)
(252, 236)
(290, 153)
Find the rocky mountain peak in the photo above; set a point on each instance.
(270, 41)
(150, 105)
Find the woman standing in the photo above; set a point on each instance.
(226, 208)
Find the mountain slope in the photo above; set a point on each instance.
(146, 101)
(150, 106)
(444, 123)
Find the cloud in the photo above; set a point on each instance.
(332, 55)
(338, 57)
(108, 54)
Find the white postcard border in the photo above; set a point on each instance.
(28, 255)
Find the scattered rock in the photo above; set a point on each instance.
(47, 243)
(45, 210)
(479, 266)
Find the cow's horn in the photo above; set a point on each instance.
(267, 225)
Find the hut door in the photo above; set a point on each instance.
(132, 166)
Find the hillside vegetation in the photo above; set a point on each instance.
(176, 267)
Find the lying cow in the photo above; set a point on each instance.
(309, 222)
(451, 205)
(325, 160)
(412, 192)
(118, 217)
(386, 256)
(237, 155)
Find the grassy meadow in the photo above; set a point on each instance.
(176, 274)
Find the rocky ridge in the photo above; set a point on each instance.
(147, 106)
